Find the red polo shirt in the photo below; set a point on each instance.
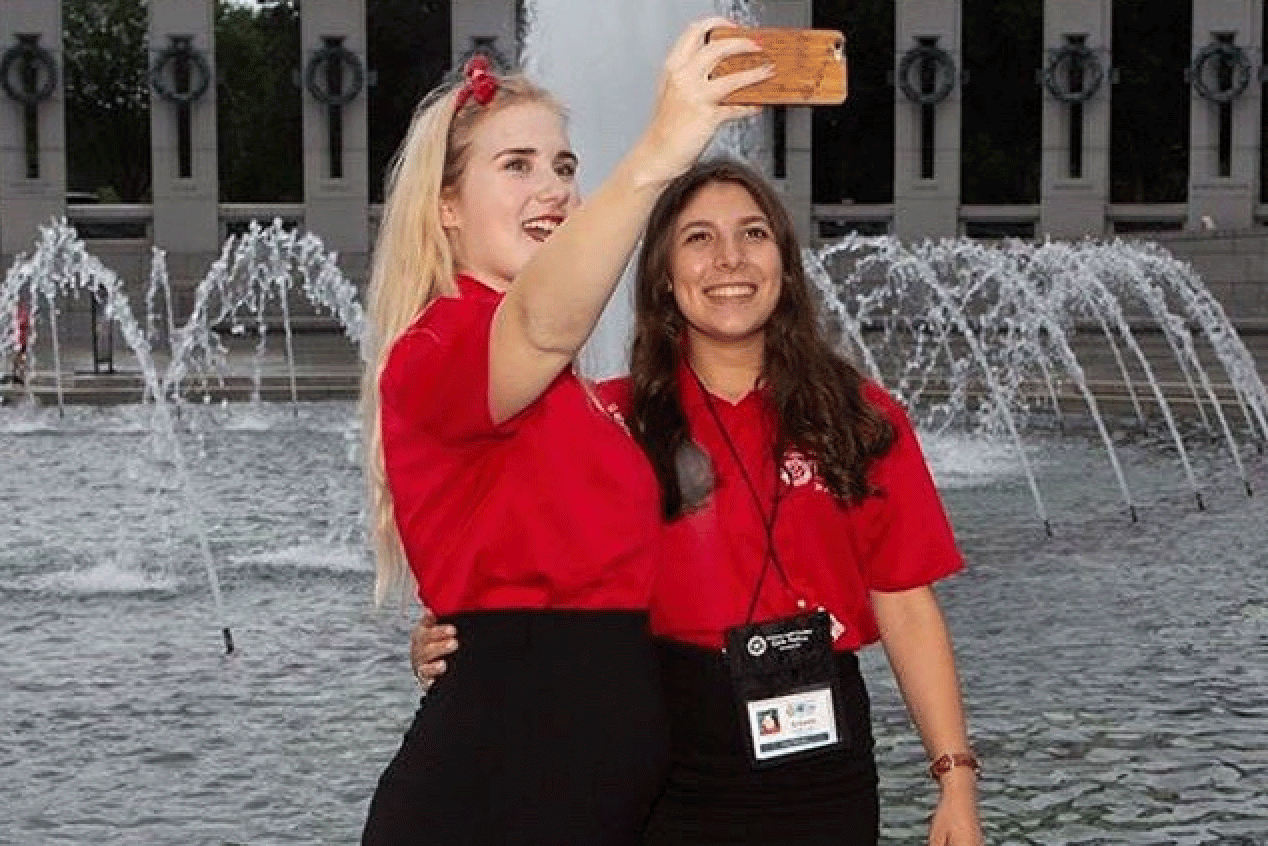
(831, 554)
(555, 508)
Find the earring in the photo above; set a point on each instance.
(669, 287)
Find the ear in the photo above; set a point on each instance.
(448, 217)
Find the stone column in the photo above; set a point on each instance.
(32, 137)
(927, 176)
(488, 24)
(1224, 124)
(186, 180)
(1075, 188)
(336, 153)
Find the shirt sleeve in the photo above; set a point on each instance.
(437, 373)
(908, 541)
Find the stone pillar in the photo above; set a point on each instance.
(32, 137)
(186, 180)
(795, 126)
(927, 176)
(336, 153)
(1075, 187)
(1224, 124)
(488, 24)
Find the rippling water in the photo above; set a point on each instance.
(1116, 675)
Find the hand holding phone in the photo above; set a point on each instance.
(809, 66)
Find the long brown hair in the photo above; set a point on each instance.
(815, 393)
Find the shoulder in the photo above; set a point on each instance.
(444, 320)
(886, 404)
(445, 312)
(447, 334)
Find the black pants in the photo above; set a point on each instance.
(548, 728)
(715, 796)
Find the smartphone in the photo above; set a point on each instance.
(809, 66)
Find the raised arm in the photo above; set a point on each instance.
(556, 300)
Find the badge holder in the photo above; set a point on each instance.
(785, 680)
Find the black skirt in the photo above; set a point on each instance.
(548, 728)
(714, 795)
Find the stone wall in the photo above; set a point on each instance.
(1234, 266)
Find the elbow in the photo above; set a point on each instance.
(912, 609)
(550, 332)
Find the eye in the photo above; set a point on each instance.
(757, 233)
(567, 169)
(696, 237)
(518, 164)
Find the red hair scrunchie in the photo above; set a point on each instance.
(481, 84)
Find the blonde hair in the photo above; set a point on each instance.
(413, 265)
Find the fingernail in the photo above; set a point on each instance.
(450, 631)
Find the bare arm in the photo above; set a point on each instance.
(918, 646)
(555, 302)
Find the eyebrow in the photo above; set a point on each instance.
(532, 151)
(753, 218)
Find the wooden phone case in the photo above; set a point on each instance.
(809, 66)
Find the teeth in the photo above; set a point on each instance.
(731, 291)
(543, 226)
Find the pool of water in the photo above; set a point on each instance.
(1116, 674)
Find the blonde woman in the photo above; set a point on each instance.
(502, 492)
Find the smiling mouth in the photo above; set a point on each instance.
(731, 293)
(541, 228)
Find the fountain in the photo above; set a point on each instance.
(252, 268)
(994, 324)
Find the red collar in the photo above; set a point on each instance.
(469, 286)
(692, 390)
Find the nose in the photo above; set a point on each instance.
(555, 189)
(728, 252)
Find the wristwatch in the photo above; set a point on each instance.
(946, 763)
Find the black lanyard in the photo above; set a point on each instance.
(768, 520)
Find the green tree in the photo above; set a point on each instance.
(259, 123)
(107, 99)
(259, 102)
(260, 62)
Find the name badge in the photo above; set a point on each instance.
(785, 680)
(798, 722)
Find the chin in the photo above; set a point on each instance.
(729, 335)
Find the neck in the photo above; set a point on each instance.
(484, 279)
(728, 370)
